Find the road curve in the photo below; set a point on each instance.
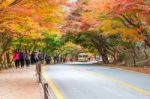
(87, 81)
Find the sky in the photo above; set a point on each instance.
(68, 8)
(72, 0)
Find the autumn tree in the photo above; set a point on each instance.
(134, 16)
(21, 19)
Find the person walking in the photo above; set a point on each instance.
(64, 59)
(16, 58)
(22, 58)
(32, 58)
(55, 59)
(47, 59)
(40, 57)
(27, 59)
(36, 56)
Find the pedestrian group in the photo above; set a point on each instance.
(25, 58)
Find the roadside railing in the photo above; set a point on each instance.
(39, 71)
(46, 88)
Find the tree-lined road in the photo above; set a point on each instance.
(87, 81)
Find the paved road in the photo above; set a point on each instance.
(87, 81)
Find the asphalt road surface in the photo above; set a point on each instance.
(88, 81)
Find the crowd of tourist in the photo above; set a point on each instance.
(24, 58)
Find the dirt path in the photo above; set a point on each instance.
(19, 84)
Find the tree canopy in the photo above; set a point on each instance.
(110, 27)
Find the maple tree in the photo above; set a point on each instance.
(21, 19)
(133, 16)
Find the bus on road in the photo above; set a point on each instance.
(83, 57)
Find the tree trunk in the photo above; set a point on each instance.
(147, 41)
(115, 60)
(105, 58)
(104, 55)
(8, 57)
(146, 55)
(1, 60)
(134, 55)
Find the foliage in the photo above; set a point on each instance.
(23, 22)
(108, 27)
(117, 24)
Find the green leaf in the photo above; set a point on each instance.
(139, 44)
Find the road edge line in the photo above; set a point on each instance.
(52, 85)
(135, 88)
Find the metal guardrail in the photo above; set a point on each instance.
(46, 88)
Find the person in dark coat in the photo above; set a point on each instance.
(32, 58)
(27, 59)
(22, 58)
(55, 59)
(47, 59)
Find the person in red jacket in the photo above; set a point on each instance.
(16, 58)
